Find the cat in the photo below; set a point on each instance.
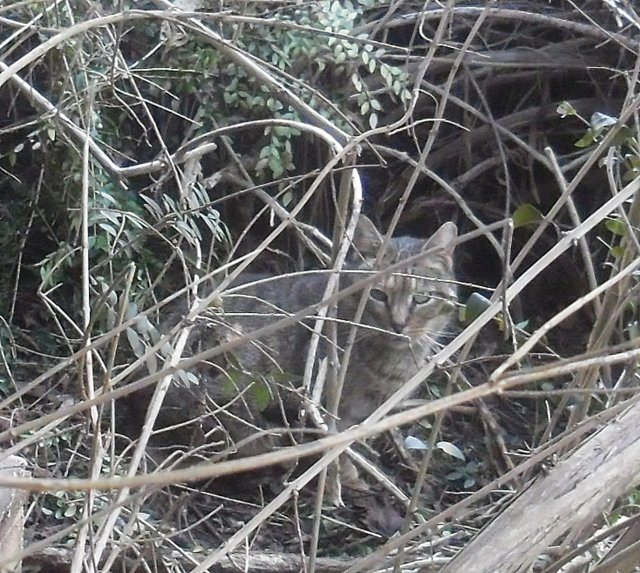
(405, 315)
(254, 389)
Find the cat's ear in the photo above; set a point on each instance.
(443, 241)
(366, 239)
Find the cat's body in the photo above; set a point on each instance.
(404, 316)
(242, 399)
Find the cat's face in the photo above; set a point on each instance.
(417, 302)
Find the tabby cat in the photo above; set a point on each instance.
(405, 315)
(243, 401)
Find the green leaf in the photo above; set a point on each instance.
(413, 443)
(451, 450)
(386, 74)
(108, 229)
(135, 343)
(565, 109)
(476, 305)
(616, 226)
(469, 482)
(287, 198)
(265, 152)
(622, 135)
(599, 121)
(586, 140)
(101, 243)
(356, 81)
(274, 105)
(261, 395)
(525, 215)
(70, 511)
(617, 252)
(282, 131)
(373, 120)
(131, 311)
(276, 166)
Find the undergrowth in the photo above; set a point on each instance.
(151, 151)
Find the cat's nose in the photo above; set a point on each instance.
(398, 318)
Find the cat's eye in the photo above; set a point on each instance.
(379, 295)
(420, 298)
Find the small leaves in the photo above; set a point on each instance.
(616, 226)
(619, 229)
(599, 121)
(287, 199)
(356, 81)
(599, 124)
(566, 109)
(624, 134)
(586, 140)
(373, 120)
(525, 215)
(261, 394)
(136, 344)
(467, 474)
(451, 450)
(275, 164)
(617, 252)
(386, 74)
(413, 443)
(476, 305)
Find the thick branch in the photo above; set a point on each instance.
(572, 495)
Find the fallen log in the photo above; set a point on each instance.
(570, 498)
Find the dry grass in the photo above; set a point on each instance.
(549, 359)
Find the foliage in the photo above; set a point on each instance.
(94, 237)
(305, 46)
(309, 48)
